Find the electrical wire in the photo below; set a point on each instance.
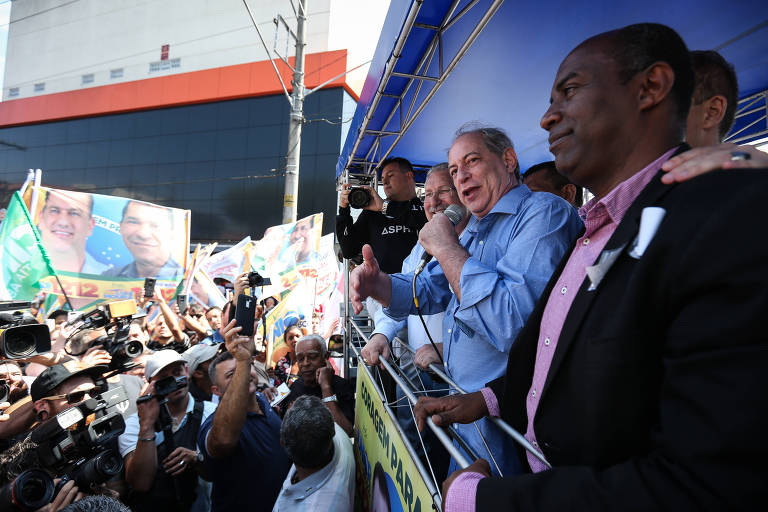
(416, 303)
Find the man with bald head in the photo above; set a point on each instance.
(641, 372)
(65, 224)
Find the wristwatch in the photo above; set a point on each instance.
(200, 457)
(331, 398)
(384, 206)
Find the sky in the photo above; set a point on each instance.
(5, 12)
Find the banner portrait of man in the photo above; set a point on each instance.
(65, 223)
(102, 247)
(147, 232)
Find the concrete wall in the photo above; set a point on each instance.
(58, 42)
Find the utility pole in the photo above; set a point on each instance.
(291, 194)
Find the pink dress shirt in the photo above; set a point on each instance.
(601, 218)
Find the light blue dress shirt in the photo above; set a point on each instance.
(513, 251)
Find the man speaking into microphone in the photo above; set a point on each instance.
(488, 279)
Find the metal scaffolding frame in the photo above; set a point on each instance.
(753, 110)
(386, 137)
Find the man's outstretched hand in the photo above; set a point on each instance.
(367, 280)
(450, 409)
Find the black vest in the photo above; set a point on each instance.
(162, 495)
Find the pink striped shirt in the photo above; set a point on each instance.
(601, 218)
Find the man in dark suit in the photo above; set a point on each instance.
(641, 373)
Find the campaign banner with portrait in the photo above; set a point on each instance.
(102, 247)
(294, 308)
(295, 244)
(386, 476)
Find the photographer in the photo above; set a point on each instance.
(64, 385)
(161, 480)
(389, 225)
(241, 439)
(57, 388)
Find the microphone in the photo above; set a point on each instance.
(454, 213)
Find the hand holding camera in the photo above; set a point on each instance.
(362, 197)
(148, 409)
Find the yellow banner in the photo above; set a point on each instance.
(85, 292)
(387, 478)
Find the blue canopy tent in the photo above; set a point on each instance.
(441, 63)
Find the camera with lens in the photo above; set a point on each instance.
(163, 388)
(168, 385)
(360, 197)
(20, 334)
(255, 279)
(116, 318)
(31, 490)
(78, 442)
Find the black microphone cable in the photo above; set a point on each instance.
(418, 311)
(454, 214)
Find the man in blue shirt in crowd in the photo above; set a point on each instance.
(488, 279)
(241, 439)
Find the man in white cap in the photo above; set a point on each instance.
(198, 359)
(163, 479)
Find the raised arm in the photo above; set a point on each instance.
(232, 410)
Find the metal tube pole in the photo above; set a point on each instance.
(503, 425)
(290, 196)
(431, 487)
(347, 319)
(441, 435)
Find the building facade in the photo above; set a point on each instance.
(174, 102)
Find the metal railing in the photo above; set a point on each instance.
(444, 435)
(429, 480)
(503, 425)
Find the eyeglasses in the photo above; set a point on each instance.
(75, 397)
(444, 192)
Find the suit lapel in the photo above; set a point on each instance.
(621, 240)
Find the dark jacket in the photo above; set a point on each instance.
(391, 236)
(655, 399)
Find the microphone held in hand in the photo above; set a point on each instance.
(454, 213)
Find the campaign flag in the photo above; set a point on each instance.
(228, 264)
(102, 247)
(295, 308)
(23, 260)
(295, 244)
(205, 291)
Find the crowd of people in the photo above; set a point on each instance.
(201, 420)
(606, 332)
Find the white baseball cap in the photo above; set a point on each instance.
(160, 360)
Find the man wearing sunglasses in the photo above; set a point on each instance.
(64, 385)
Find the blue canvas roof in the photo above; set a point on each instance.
(505, 76)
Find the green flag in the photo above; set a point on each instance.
(23, 261)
